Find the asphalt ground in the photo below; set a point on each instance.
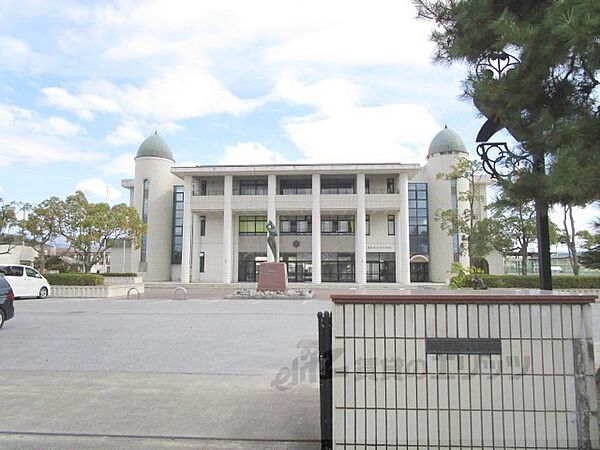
(160, 373)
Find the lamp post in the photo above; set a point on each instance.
(501, 163)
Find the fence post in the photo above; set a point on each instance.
(325, 378)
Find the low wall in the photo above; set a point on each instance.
(102, 291)
(463, 370)
(110, 281)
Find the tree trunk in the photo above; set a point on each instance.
(524, 260)
(569, 225)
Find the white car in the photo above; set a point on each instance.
(25, 281)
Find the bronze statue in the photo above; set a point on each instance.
(272, 241)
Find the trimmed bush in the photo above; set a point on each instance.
(74, 279)
(532, 281)
(117, 274)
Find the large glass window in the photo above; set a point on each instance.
(295, 186)
(295, 224)
(418, 226)
(381, 267)
(338, 186)
(337, 225)
(253, 187)
(253, 225)
(337, 267)
(177, 228)
(299, 266)
(455, 237)
(145, 197)
(248, 264)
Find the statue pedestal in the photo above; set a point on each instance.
(272, 276)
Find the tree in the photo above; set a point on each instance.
(514, 229)
(8, 221)
(591, 257)
(466, 222)
(90, 228)
(43, 225)
(568, 237)
(548, 102)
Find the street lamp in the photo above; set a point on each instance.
(501, 163)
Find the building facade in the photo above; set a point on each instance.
(344, 223)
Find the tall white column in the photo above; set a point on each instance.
(186, 245)
(227, 229)
(271, 213)
(194, 275)
(316, 228)
(360, 259)
(402, 235)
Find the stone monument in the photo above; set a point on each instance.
(272, 275)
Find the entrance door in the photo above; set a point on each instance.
(419, 272)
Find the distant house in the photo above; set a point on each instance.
(21, 254)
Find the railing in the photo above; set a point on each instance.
(197, 192)
(381, 191)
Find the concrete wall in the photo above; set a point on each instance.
(21, 254)
(390, 388)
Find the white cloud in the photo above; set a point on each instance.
(17, 55)
(84, 105)
(95, 187)
(341, 130)
(28, 138)
(127, 132)
(250, 153)
(122, 165)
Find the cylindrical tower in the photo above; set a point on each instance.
(153, 199)
(445, 150)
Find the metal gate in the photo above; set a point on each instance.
(325, 378)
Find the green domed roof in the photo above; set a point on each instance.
(155, 146)
(446, 141)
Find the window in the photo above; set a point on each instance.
(202, 225)
(248, 264)
(295, 186)
(295, 224)
(145, 196)
(32, 273)
(203, 190)
(299, 266)
(337, 225)
(367, 185)
(391, 225)
(253, 225)
(201, 263)
(253, 187)
(338, 186)
(177, 228)
(390, 186)
(418, 228)
(381, 267)
(368, 225)
(455, 237)
(337, 267)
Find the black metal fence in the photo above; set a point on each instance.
(325, 378)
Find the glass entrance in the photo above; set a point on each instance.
(248, 264)
(381, 267)
(419, 272)
(299, 266)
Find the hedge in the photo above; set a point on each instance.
(74, 279)
(117, 274)
(532, 281)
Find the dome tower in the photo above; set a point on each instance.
(153, 199)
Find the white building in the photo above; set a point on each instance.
(337, 222)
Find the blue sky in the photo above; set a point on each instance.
(83, 83)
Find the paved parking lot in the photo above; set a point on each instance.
(157, 373)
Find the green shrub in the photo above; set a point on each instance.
(117, 274)
(532, 281)
(74, 279)
(462, 278)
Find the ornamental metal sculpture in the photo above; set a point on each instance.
(500, 162)
(497, 64)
